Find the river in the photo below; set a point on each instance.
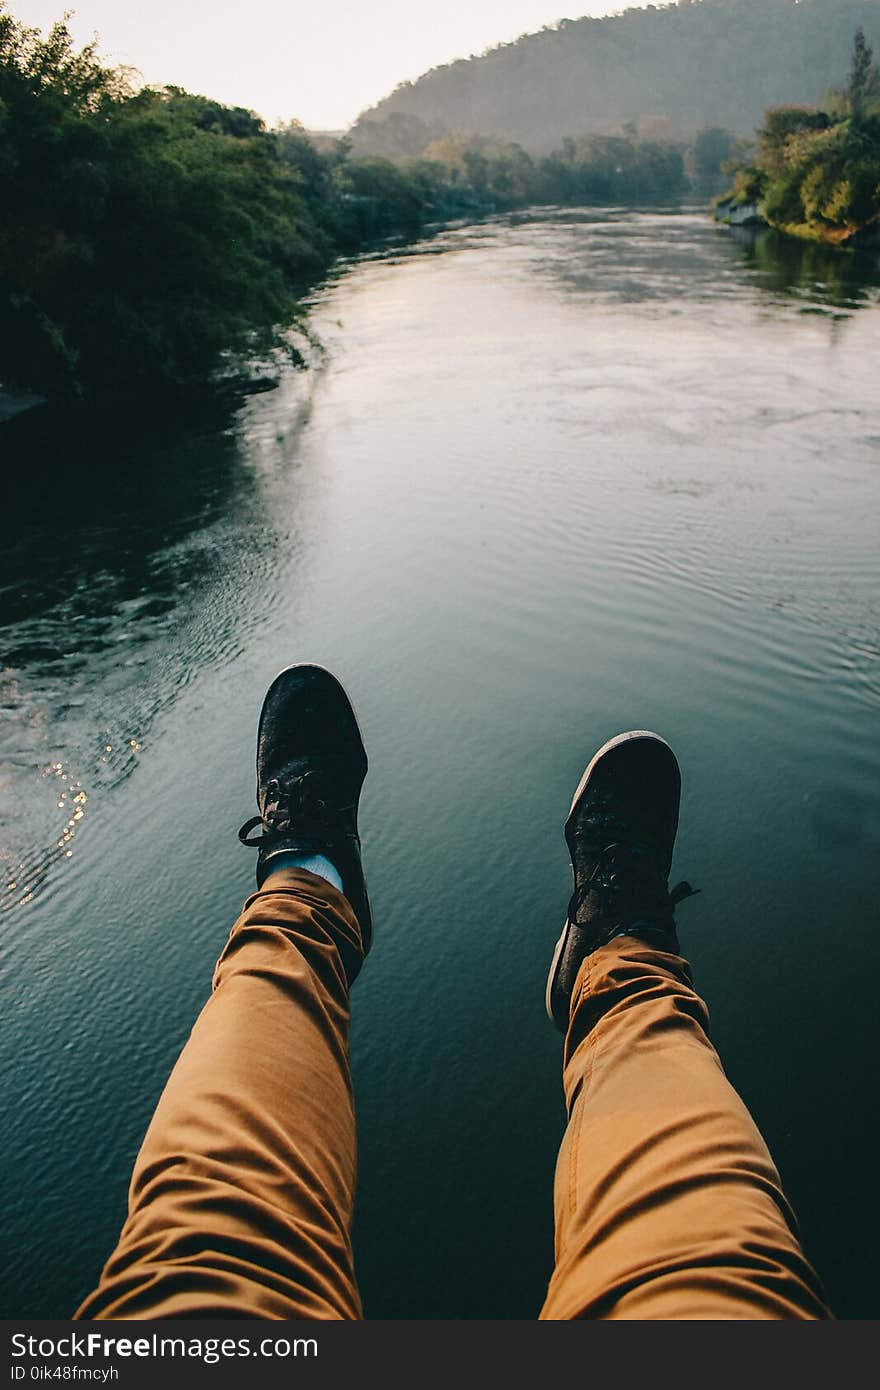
(554, 476)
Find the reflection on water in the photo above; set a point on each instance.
(823, 277)
(630, 257)
(562, 474)
(131, 545)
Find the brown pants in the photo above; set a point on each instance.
(668, 1205)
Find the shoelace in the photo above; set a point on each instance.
(299, 805)
(634, 870)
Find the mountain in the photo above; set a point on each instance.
(667, 70)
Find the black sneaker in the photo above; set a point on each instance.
(311, 765)
(620, 833)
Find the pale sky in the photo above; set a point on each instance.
(320, 62)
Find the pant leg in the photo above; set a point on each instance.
(668, 1205)
(241, 1198)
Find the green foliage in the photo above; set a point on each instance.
(609, 169)
(713, 147)
(146, 236)
(396, 136)
(781, 125)
(863, 77)
(378, 198)
(749, 186)
(817, 171)
(152, 238)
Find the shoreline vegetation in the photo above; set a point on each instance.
(157, 243)
(815, 172)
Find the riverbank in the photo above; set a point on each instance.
(815, 172)
(750, 214)
(155, 240)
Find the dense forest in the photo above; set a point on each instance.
(816, 170)
(673, 68)
(152, 239)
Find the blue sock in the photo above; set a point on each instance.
(312, 863)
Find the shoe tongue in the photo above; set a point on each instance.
(626, 883)
(593, 908)
(296, 770)
(629, 862)
(301, 776)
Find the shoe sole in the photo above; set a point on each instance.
(581, 788)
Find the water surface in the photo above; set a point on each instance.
(558, 476)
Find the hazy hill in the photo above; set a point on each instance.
(669, 69)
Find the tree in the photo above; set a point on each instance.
(713, 146)
(860, 74)
(817, 172)
(148, 237)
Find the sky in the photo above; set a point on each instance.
(320, 62)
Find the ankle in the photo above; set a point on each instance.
(311, 863)
(661, 937)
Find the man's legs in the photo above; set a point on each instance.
(668, 1205)
(241, 1197)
